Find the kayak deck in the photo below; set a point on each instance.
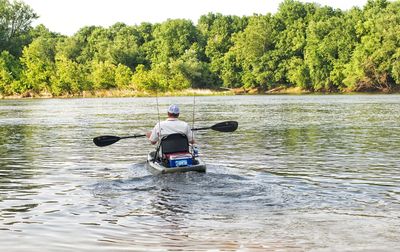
(158, 168)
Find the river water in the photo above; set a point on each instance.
(301, 173)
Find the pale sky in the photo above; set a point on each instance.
(68, 16)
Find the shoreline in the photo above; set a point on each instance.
(116, 93)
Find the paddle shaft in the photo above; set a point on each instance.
(135, 136)
(204, 128)
(143, 135)
(228, 126)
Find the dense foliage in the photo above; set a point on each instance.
(303, 45)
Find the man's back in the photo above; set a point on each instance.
(171, 126)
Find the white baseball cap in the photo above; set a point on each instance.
(173, 109)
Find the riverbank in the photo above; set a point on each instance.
(114, 93)
(125, 93)
(300, 91)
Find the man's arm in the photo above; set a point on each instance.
(149, 136)
(190, 135)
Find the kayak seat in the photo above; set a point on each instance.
(173, 146)
(174, 143)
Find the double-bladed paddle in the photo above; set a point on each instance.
(228, 126)
(108, 140)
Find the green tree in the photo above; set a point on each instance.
(172, 38)
(162, 77)
(304, 44)
(249, 49)
(98, 44)
(297, 73)
(231, 72)
(328, 44)
(102, 75)
(195, 71)
(38, 61)
(144, 79)
(15, 23)
(217, 31)
(77, 47)
(374, 63)
(9, 73)
(69, 78)
(287, 61)
(125, 46)
(123, 76)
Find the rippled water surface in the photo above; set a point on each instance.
(302, 173)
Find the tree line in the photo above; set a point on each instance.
(305, 45)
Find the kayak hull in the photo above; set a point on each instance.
(157, 168)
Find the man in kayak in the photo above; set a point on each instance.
(170, 126)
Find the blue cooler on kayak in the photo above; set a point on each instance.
(175, 150)
(180, 160)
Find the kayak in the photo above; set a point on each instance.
(176, 163)
(156, 167)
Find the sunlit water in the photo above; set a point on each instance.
(302, 173)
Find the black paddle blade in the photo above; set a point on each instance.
(105, 140)
(228, 126)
